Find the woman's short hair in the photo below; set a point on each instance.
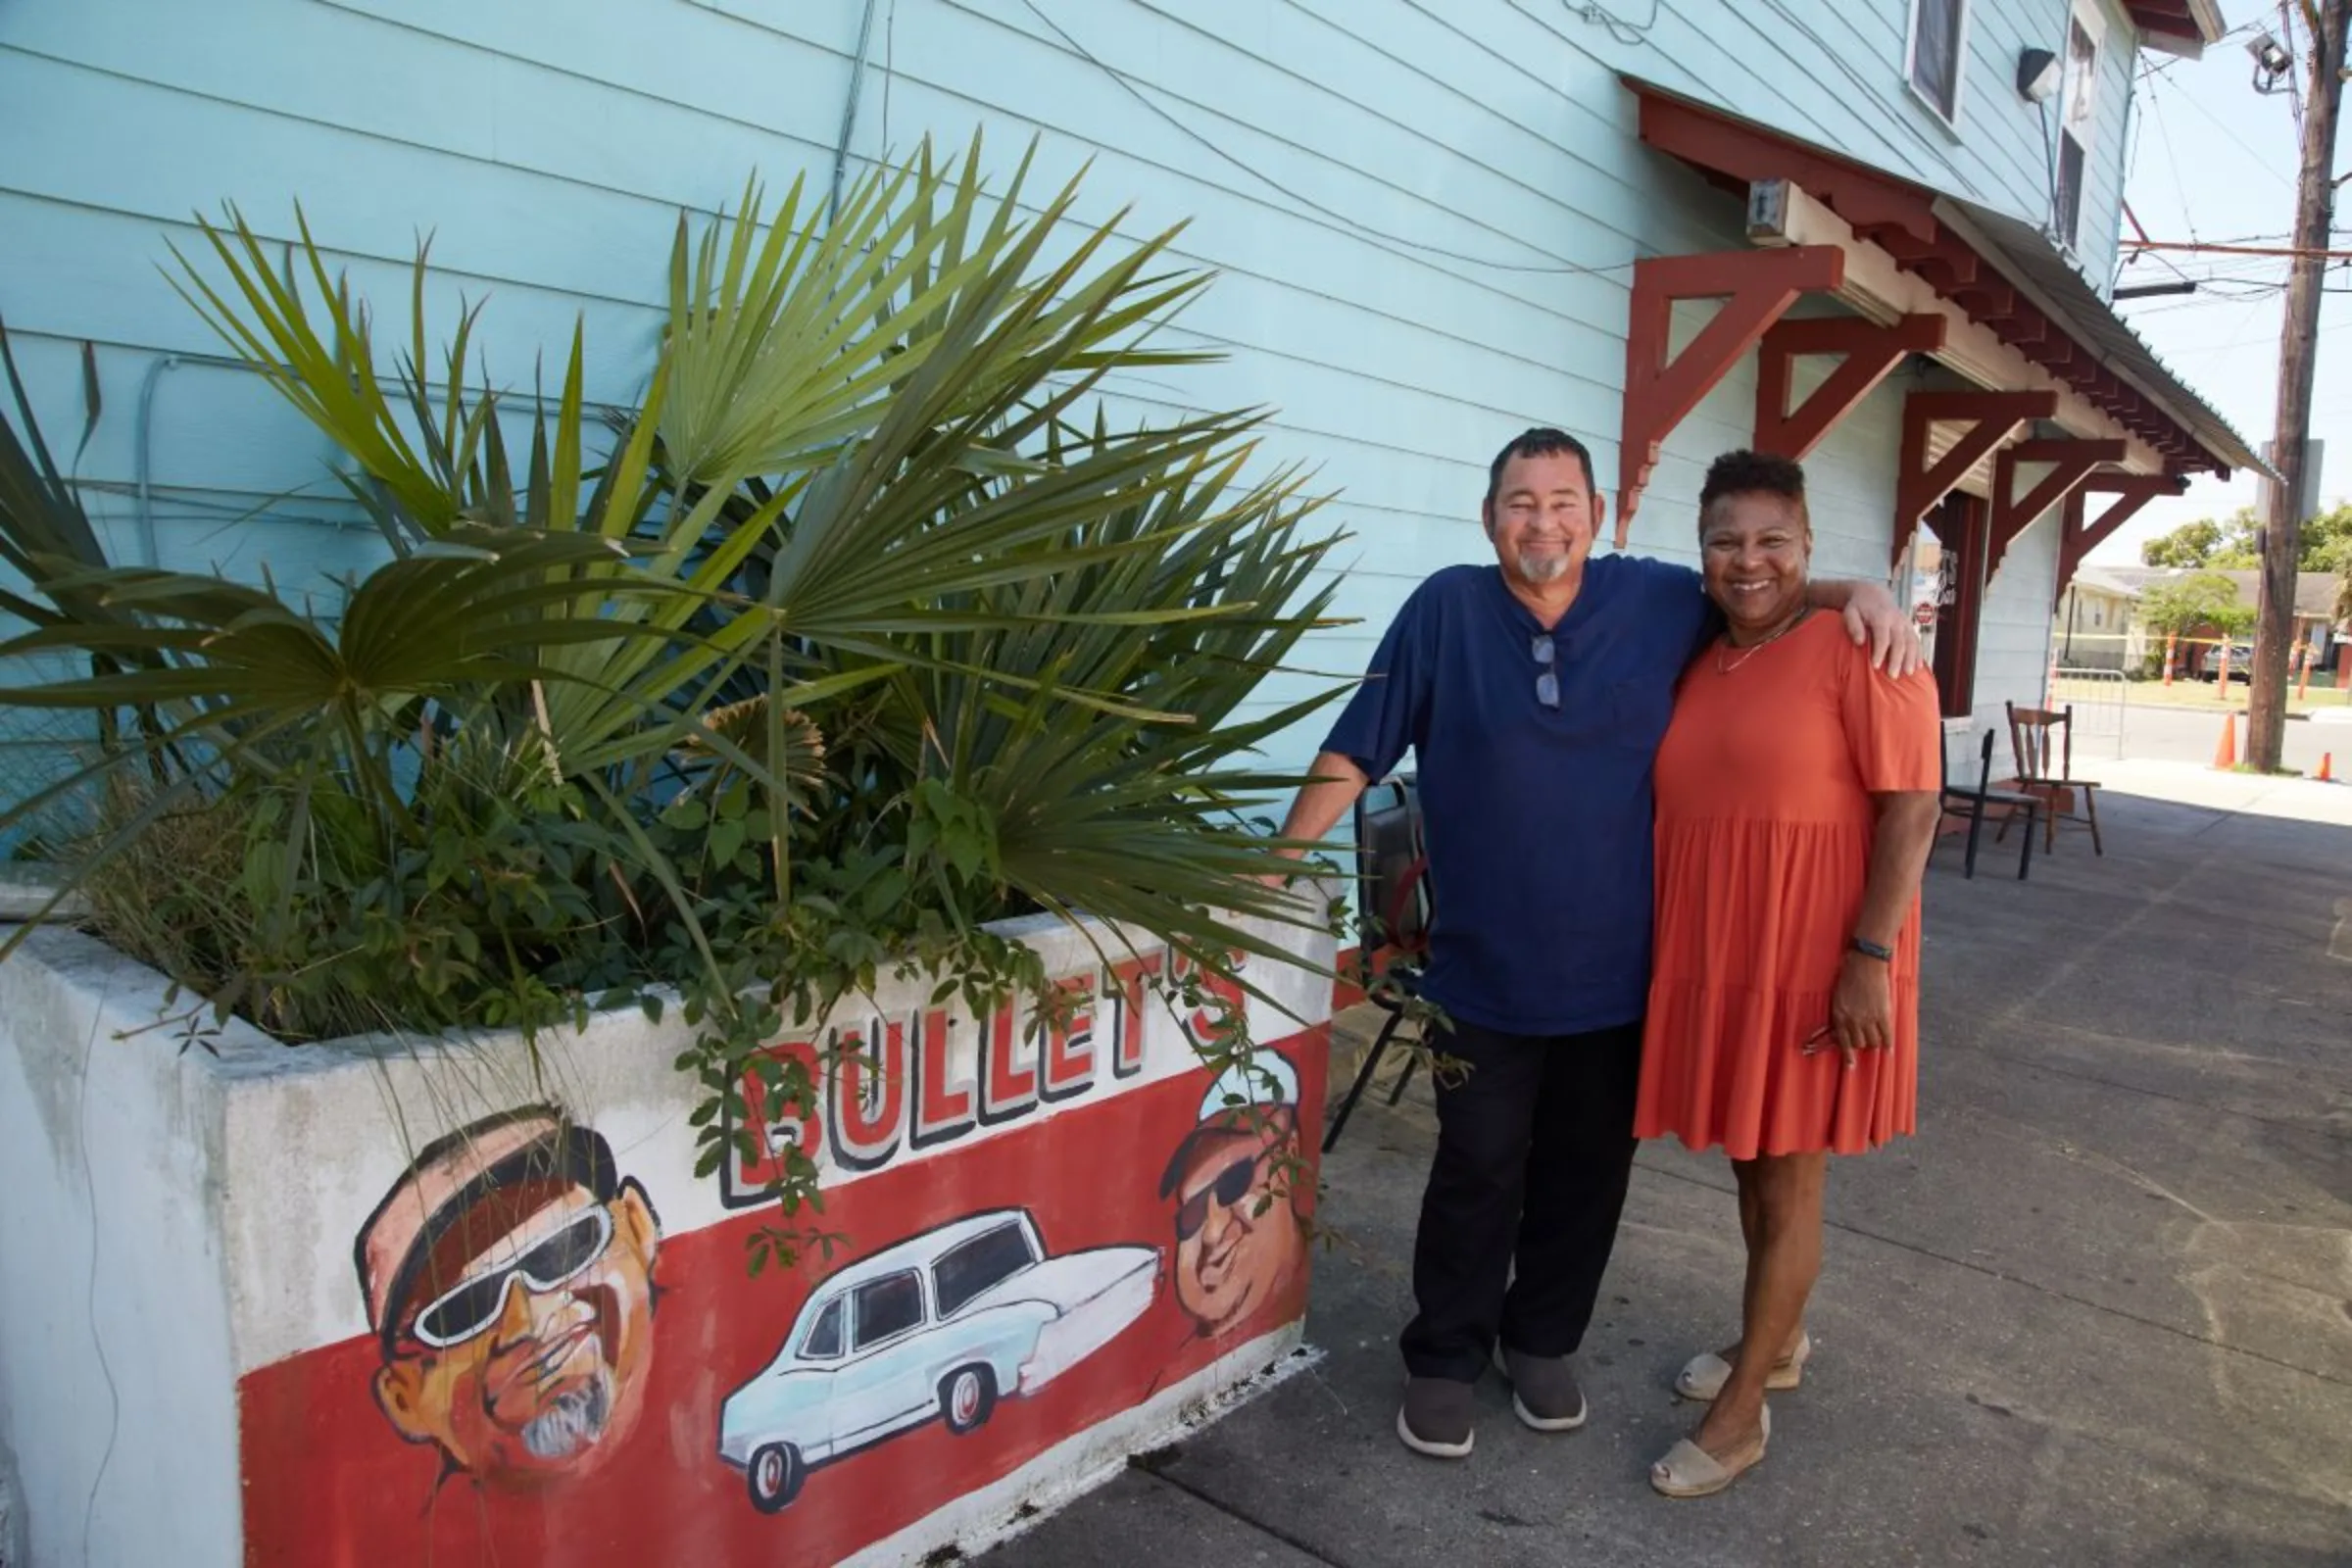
(1750, 473)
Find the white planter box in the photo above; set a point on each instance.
(362, 1302)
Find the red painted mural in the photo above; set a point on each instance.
(552, 1378)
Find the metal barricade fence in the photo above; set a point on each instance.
(2099, 698)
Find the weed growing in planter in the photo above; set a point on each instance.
(860, 629)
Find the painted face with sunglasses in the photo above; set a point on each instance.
(516, 1322)
(1238, 1240)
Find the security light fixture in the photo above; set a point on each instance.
(2036, 74)
(2272, 61)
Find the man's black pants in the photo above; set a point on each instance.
(1535, 1147)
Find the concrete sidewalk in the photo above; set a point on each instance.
(2098, 1312)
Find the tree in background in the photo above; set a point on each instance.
(2193, 603)
(2327, 542)
(2232, 545)
(2199, 542)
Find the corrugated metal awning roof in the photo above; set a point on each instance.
(2030, 260)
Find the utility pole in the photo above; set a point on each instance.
(2282, 537)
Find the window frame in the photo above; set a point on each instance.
(806, 1351)
(1029, 1255)
(859, 1343)
(2091, 18)
(1965, 16)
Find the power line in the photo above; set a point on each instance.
(2155, 69)
(2243, 145)
(2294, 84)
(2164, 134)
(2216, 249)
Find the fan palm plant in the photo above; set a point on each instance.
(858, 637)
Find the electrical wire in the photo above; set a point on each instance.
(106, 1370)
(2243, 145)
(2158, 68)
(1362, 229)
(2050, 170)
(2164, 134)
(1616, 27)
(2294, 84)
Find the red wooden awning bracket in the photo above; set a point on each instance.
(1900, 218)
(2079, 537)
(2070, 464)
(1991, 418)
(1756, 288)
(1871, 354)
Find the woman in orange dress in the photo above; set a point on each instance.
(1798, 795)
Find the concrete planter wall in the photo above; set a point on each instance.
(381, 1302)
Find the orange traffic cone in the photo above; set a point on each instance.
(2327, 768)
(2225, 755)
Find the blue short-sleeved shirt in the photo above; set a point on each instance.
(1538, 820)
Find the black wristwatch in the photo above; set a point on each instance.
(1872, 949)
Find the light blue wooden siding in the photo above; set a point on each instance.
(1835, 73)
(1423, 216)
(2013, 634)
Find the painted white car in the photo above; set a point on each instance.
(940, 1326)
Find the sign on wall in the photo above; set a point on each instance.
(565, 1360)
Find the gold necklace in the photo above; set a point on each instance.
(1760, 644)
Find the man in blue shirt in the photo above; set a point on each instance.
(1533, 694)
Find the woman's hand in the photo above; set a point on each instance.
(1861, 1009)
(1874, 621)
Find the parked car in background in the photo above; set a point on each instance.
(939, 1326)
(2242, 663)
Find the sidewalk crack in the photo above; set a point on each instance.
(1276, 1532)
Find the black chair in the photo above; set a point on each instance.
(1973, 802)
(1392, 915)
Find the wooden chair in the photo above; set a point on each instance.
(1392, 913)
(2038, 736)
(1973, 803)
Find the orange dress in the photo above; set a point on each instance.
(1764, 827)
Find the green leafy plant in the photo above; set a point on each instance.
(2199, 600)
(861, 630)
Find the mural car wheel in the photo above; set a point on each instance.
(774, 1476)
(967, 1395)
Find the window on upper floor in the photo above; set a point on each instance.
(2077, 119)
(1938, 36)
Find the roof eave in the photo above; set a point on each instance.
(2233, 452)
(2204, 15)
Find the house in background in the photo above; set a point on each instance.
(2095, 627)
(1873, 233)
(2317, 627)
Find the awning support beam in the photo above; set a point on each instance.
(2079, 534)
(2069, 463)
(1990, 417)
(1870, 352)
(1756, 288)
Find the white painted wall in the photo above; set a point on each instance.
(118, 1383)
